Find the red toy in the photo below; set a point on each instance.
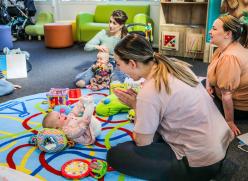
(79, 168)
(74, 95)
(76, 169)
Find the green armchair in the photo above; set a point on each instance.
(88, 25)
(38, 28)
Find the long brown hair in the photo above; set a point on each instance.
(137, 48)
(121, 17)
(239, 30)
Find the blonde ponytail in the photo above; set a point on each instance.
(177, 68)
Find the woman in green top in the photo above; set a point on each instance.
(105, 41)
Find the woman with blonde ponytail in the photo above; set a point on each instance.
(179, 134)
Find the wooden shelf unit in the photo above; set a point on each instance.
(187, 19)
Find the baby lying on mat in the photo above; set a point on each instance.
(84, 129)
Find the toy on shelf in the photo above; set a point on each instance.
(63, 96)
(76, 169)
(50, 140)
(148, 32)
(98, 168)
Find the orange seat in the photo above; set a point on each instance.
(58, 35)
(73, 23)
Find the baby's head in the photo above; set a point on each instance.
(54, 120)
(102, 57)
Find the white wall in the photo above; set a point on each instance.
(69, 10)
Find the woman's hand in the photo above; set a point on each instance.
(209, 88)
(229, 110)
(102, 48)
(234, 128)
(127, 97)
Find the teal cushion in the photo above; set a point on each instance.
(103, 12)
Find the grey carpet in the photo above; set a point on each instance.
(50, 68)
(58, 67)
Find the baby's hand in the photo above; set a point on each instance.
(66, 130)
(102, 48)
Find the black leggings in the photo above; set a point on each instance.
(156, 162)
(238, 114)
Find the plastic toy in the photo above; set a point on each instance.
(57, 96)
(49, 140)
(62, 109)
(98, 168)
(63, 96)
(74, 95)
(131, 115)
(110, 105)
(117, 85)
(76, 169)
(129, 83)
(148, 32)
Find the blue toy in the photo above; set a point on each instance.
(62, 109)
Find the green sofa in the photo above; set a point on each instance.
(87, 25)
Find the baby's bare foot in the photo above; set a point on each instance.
(80, 83)
(17, 87)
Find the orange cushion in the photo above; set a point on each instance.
(58, 35)
(73, 23)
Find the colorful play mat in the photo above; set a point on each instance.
(21, 118)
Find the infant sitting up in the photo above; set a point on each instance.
(84, 129)
(102, 70)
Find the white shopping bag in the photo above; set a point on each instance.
(243, 138)
(16, 66)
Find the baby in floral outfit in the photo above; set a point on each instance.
(102, 70)
(84, 129)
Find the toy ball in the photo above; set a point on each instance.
(62, 108)
(51, 140)
(76, 169)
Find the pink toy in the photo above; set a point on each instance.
(58, 96)
(63, 96)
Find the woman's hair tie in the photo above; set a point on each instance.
(154, 57)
